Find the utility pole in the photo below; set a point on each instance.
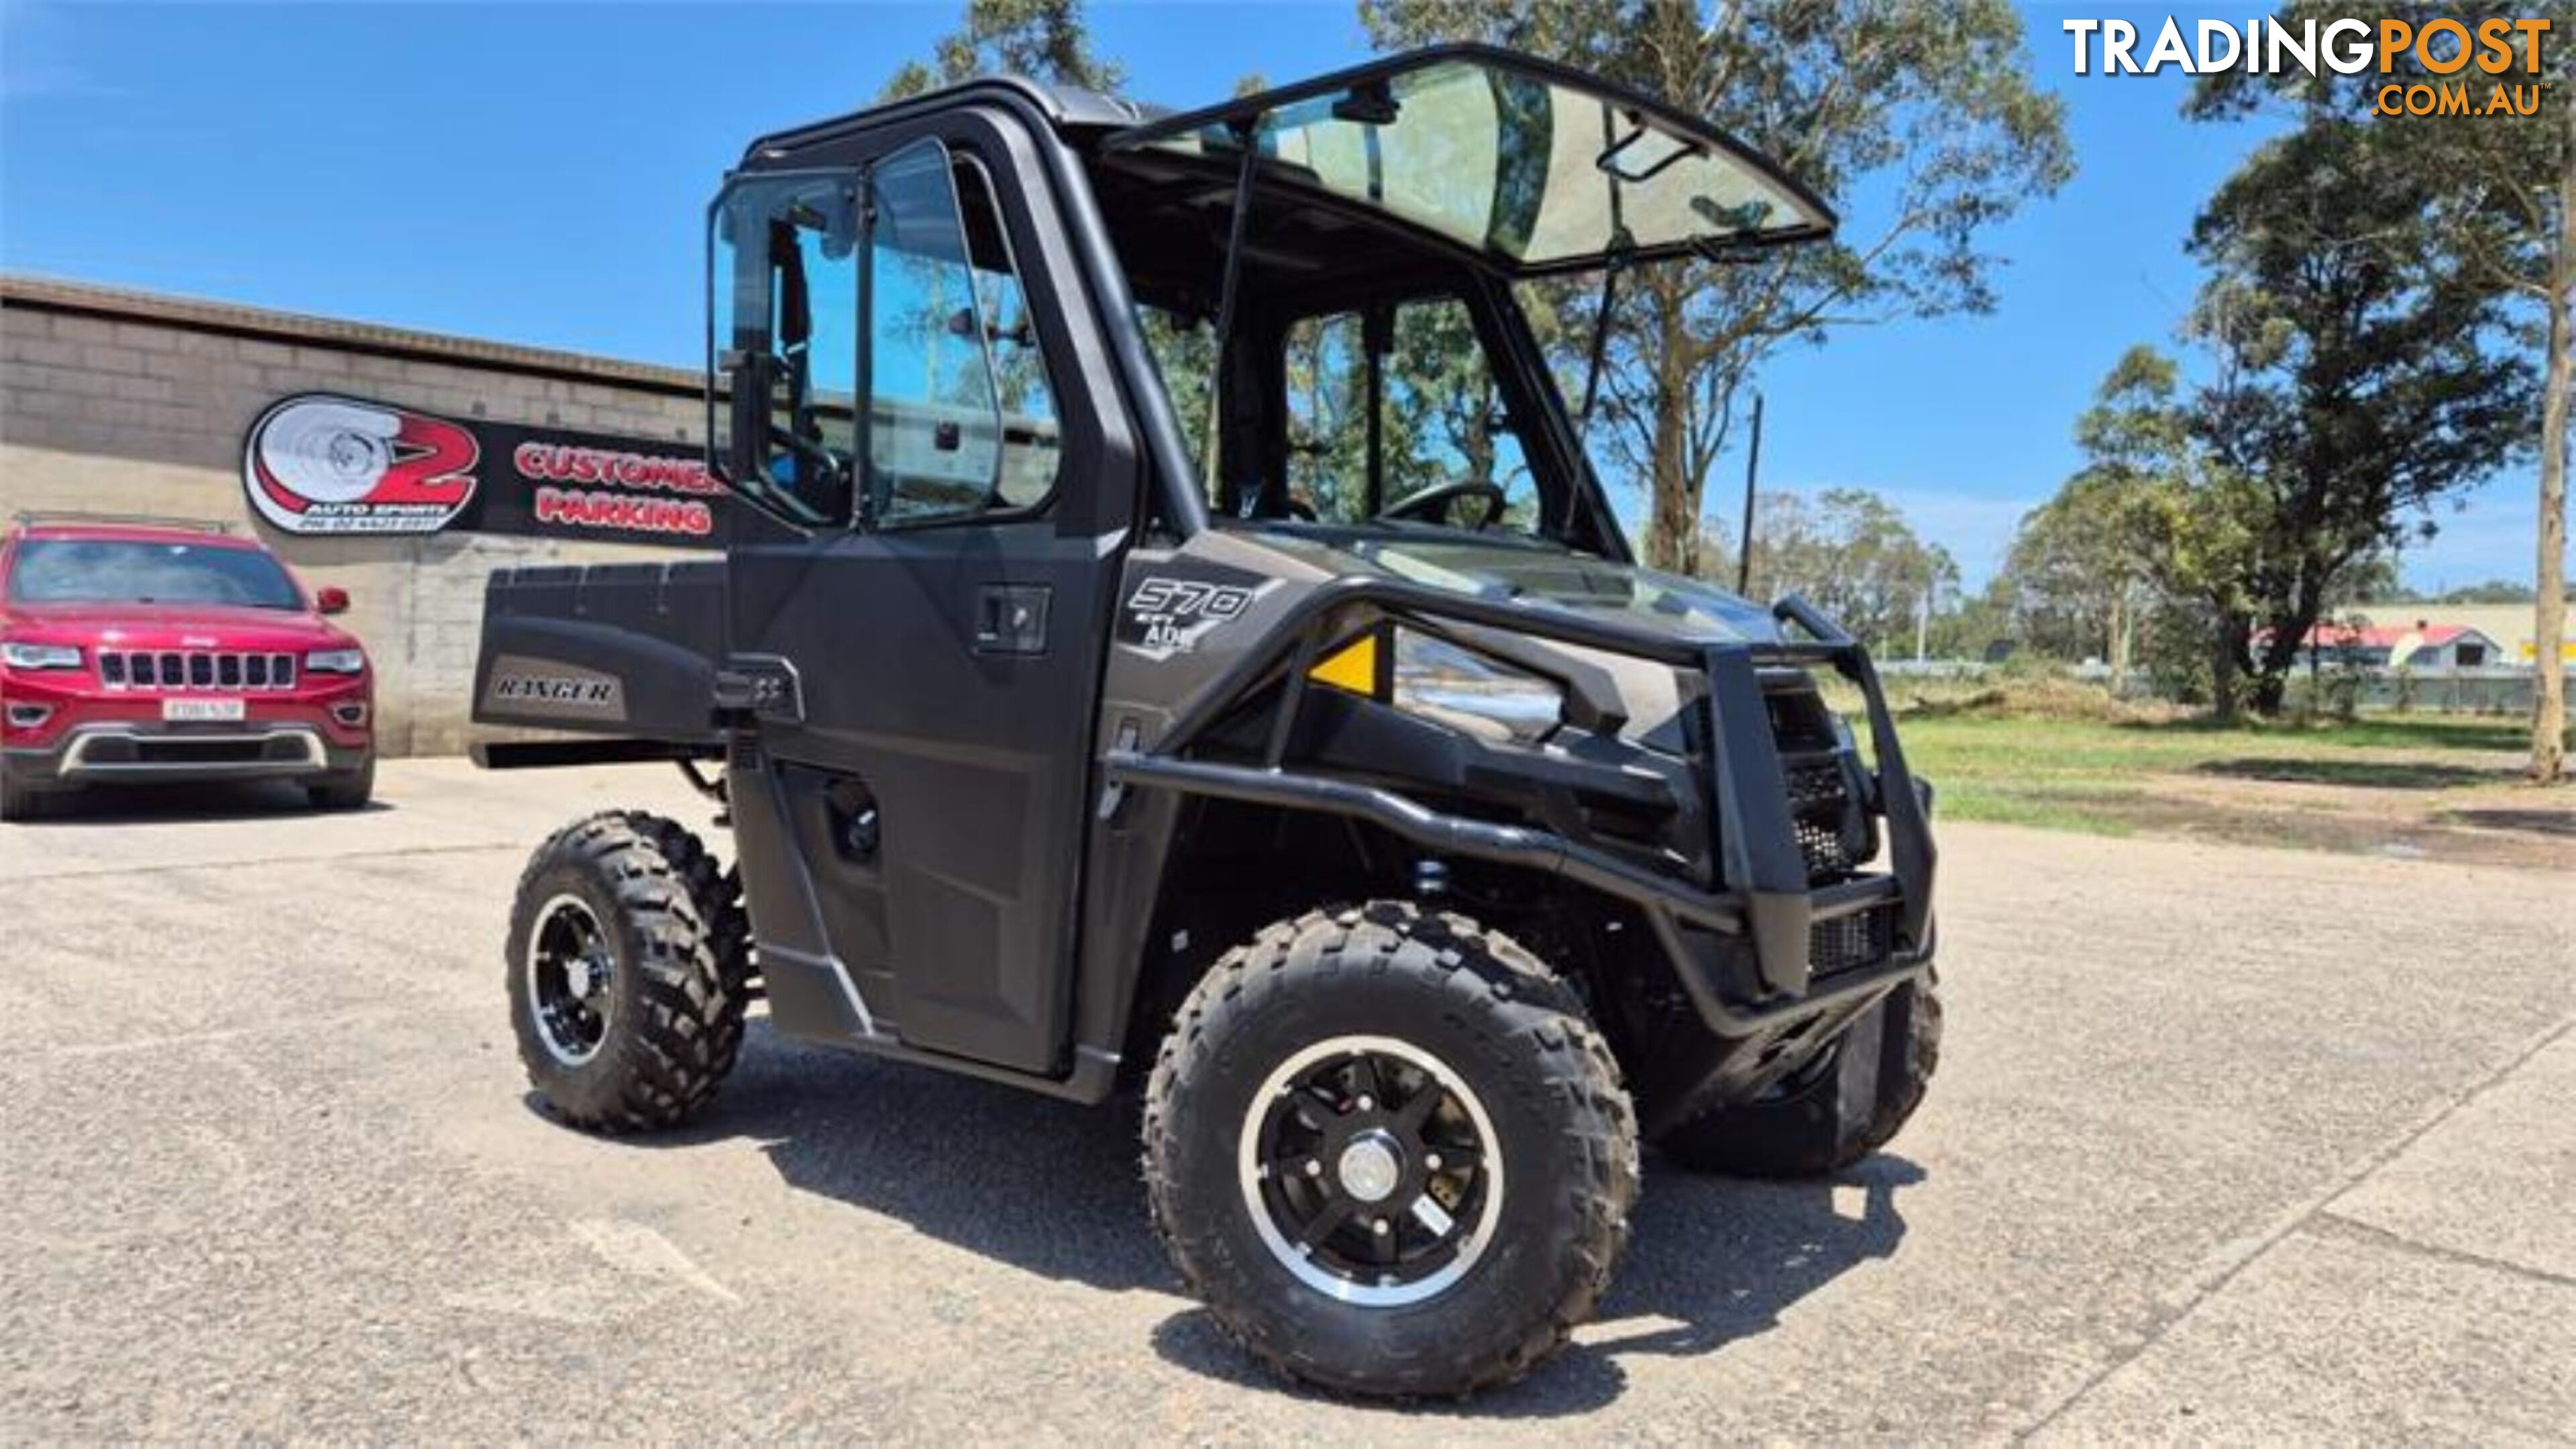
(2549, 610)
(1752, 471)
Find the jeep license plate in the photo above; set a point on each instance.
(197, 711)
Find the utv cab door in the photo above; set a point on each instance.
(936, 511)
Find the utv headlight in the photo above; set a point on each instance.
(1466, 691)
(40, 656)
(335, 661)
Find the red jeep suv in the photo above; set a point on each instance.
(135, 650)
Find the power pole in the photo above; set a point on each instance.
(2549, 611)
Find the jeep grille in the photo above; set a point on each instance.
(166, 670)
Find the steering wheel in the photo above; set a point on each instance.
(828, 468)
(1431, 502)
(806, 448)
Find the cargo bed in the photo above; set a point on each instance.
(624, 651)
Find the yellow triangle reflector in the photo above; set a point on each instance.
(1352, 667)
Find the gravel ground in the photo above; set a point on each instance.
(2228, 1144)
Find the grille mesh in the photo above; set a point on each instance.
(171, 671)
(1818, 797)
(1848, 941)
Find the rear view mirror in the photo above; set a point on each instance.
(331, 599)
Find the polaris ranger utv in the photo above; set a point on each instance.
(1169, 618)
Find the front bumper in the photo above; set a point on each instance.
(118, 752)
(107, 754)
(66, 729)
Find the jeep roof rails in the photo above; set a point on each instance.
(32, 516)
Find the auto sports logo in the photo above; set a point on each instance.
(322, 464)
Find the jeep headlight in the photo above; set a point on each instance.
(1466, 691)
(335, 661)
(40, 656)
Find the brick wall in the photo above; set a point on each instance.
(116, 402)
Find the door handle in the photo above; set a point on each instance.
(1011, 618)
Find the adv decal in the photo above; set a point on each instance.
(320, 464)
(324, 464)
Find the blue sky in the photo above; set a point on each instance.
(538, 174)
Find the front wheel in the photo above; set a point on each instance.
(1389, 1152)
(349, 791)
(628, 1014)
(19, 800)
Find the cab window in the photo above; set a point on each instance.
(783, 274)
(962, 417)
(1394, 413)
(911, 297)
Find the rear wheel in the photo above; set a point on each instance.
(717, 893)
(625, 1016)
(1389, 1152)
(1845, 1106)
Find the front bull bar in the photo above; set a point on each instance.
(1761, 892)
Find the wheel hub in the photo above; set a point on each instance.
(569, 970)
(1371, 1171)
(1371, 1166)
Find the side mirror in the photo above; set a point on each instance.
(331, 599)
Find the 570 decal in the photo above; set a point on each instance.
(1165, 614)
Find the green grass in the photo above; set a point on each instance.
(2104, 777)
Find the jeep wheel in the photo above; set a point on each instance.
(1848, 1104)
(625, 1016)
(18, 799)
(350, 791)
(1389, 1152)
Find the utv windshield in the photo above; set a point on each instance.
(1532, 166)
(1359, 294)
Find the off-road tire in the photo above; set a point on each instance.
(675, 1022)
(18, 799)
(351, 790)
(1513, 1031)
(1854, 1106)
(716, 890)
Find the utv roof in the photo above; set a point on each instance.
(1531, 166)
(1069, 109)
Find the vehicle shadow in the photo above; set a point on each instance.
(1045, 1186)
(205, 803)
(2372, 774)
(1052, 1188)
(1710, 1261)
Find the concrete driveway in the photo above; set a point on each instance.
(2227, 1144)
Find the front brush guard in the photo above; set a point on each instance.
(1761, 893)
